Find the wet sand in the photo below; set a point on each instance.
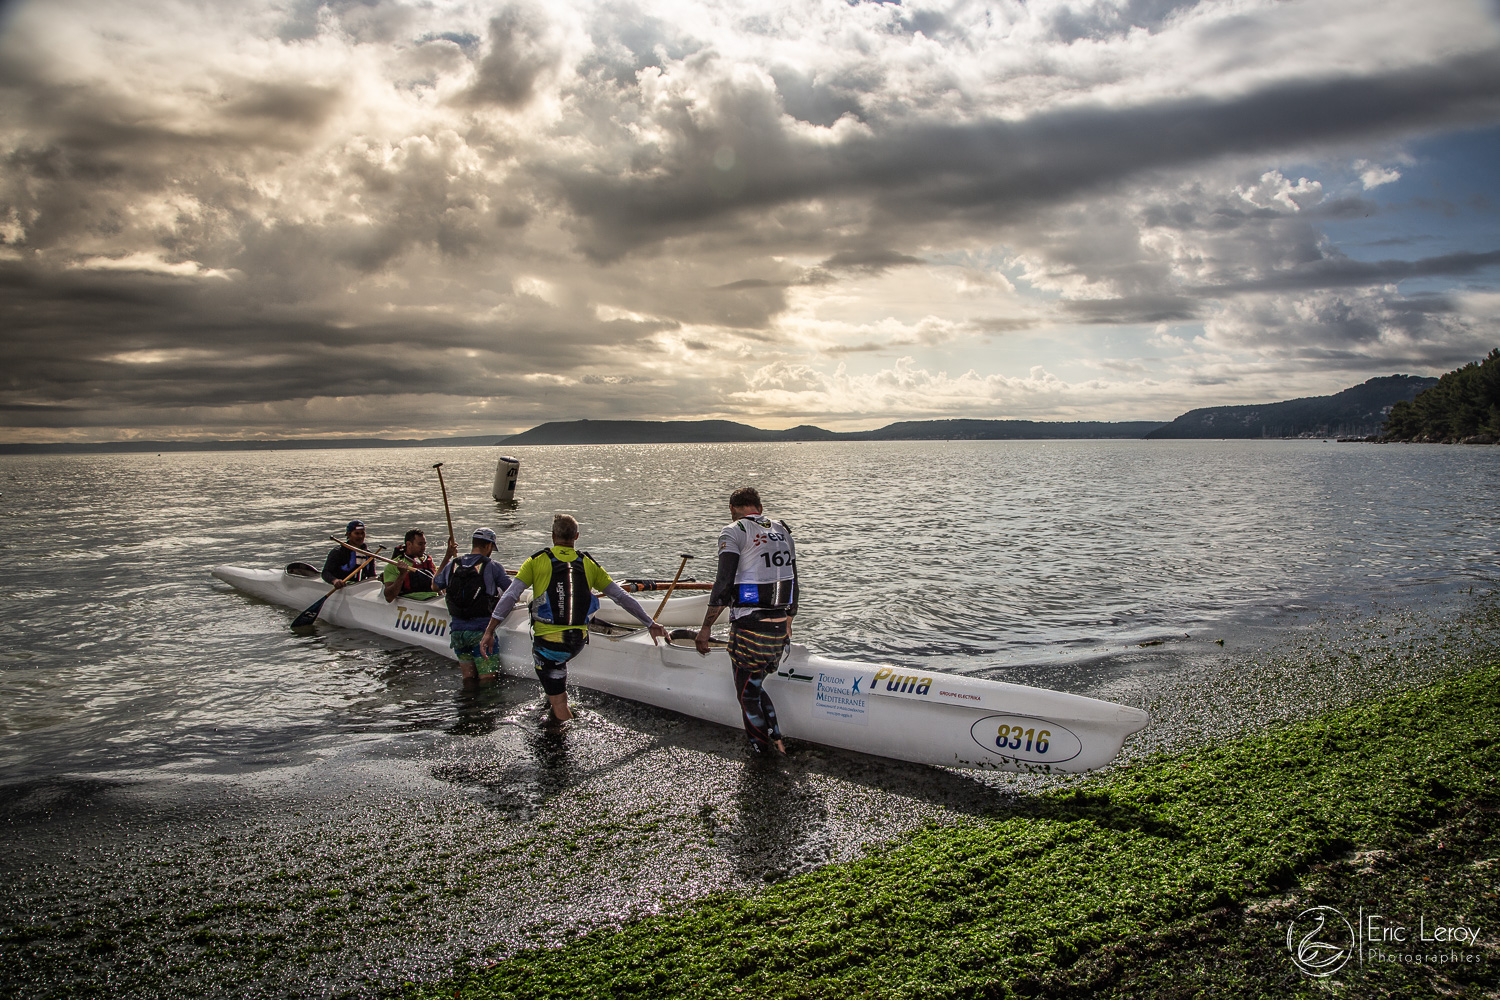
(375, 860)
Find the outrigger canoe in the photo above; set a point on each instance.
(923, 716)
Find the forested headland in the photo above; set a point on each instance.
(1357, 412)
(1464, 407)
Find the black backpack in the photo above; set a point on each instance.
(466, 596)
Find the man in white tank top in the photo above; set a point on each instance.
(757, 581)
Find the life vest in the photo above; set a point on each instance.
(766, 577)
(353, 559)
(466, 596)
(419, 577)
(567, 601)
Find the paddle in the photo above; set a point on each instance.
(637, 586)
(448, 513)
(309, 616)
(367, 552)
(663, 605)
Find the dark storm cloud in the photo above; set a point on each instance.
(1353, 327)
(992, 169)
(745, 283)
(869, 261)
(156, 341)
(1320, 273)
(522, 52)
(1187, 216)
(1136, 309)
(287, 104)
(815, 99)
(535, 203)
(1342, 272)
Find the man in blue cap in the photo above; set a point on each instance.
(341, 561)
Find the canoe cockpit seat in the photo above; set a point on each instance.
(304, 570)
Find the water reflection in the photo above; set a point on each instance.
(778, 813)
(479, 711)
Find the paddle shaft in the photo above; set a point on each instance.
(366, 552)
(641, 586)
(308, 616)
(356, 571)
(446, 512)
(663, 605)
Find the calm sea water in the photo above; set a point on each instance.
(119, 651)
(199, 803)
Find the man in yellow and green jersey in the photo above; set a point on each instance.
(562, 581)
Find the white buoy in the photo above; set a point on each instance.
(505, 478)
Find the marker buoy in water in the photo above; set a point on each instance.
(505, 478)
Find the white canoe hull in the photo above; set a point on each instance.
(922, 716)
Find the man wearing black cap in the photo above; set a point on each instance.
(341, 561)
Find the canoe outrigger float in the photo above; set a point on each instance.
(922, 716)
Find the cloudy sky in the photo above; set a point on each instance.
(421, 217)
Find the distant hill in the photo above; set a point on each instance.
(659, 432)
(1463, 407)
(699, 431)
(1356, 412)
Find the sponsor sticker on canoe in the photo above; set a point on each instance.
(841, 697)
(969, 698)
(1026, 739)
(420, 621)
(896, 683)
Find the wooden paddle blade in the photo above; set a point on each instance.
(309, 616)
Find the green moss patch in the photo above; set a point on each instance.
(1043, 896)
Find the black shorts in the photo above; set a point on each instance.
(551, 662)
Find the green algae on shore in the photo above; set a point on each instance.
(1134, 876)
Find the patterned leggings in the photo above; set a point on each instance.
(754, 650)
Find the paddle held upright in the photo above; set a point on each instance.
(452, 538)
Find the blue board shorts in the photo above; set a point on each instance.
(466, 646)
